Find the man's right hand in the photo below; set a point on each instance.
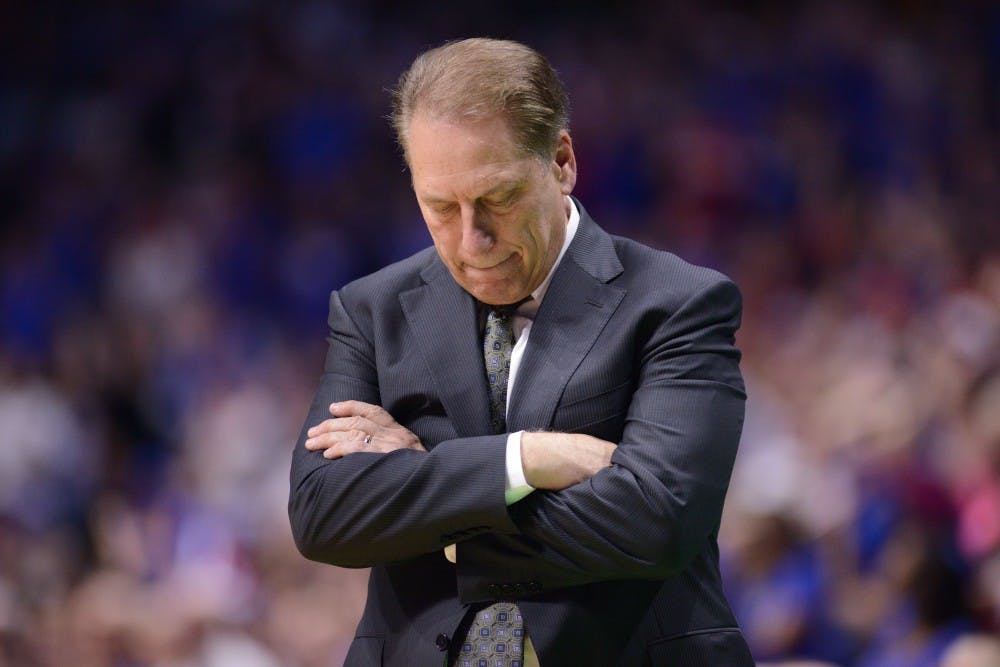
(554, 461)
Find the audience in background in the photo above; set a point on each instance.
(182, 184)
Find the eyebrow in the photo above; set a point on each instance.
(507, 186)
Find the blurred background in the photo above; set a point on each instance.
(183, 183)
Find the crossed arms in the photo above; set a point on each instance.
(551, 461)
(646, 515)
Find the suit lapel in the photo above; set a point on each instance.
(574, 311)
(442, 319)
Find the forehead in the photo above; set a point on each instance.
(449, 157)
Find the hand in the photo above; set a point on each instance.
(359, 427)
(554, 461)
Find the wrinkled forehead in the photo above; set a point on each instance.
(450, 159)
(467, 114)
(442, 142)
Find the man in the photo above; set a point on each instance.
(527, 431)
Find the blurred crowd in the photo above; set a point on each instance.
(183, 183)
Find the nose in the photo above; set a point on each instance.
(477, 231)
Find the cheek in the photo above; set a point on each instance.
(536, 234)
(530, 230)
(443, 238)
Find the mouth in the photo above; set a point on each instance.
(492, 267)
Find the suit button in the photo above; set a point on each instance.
(534, 587)
(506, 590)
(520, 589)
(493, 590)
(443, 641)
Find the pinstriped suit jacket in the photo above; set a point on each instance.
(631, 345)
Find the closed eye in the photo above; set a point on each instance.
(443, 209)
(503, 201)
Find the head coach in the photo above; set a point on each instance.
(526, 431)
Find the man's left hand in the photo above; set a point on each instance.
(360, 427)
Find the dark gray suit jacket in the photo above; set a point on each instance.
(631, 345)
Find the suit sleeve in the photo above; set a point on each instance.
(660, 502)
(366, 509)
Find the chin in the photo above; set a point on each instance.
(497, 297)
(491, 298)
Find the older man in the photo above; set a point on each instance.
(526, 431)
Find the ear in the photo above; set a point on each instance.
(564, 163)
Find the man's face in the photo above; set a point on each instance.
(497, 216)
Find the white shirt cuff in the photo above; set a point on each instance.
(517, 486)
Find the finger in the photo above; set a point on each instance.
(335, 452)
(367, 410)
(322, 427)
(345, 447)
(355, 423)
(330, 439)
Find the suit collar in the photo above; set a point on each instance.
(444, 328)
(593, 249)
(576, 308)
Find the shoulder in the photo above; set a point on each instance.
(381, 289)
(668, 279)
(389, 281)
(651, 277)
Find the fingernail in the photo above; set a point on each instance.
(309, 443)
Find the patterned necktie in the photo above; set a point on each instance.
(496, 635)
(495, 639)
(498, 343)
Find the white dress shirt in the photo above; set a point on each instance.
(517, 486)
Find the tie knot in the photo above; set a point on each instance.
(499, 312)
(504, 310)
